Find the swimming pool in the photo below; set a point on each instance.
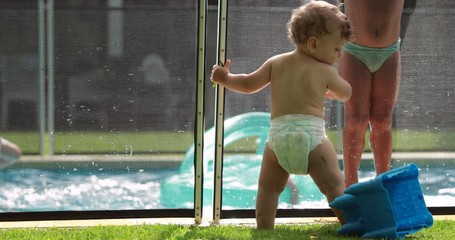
(25, 190)
(98, 188)
(43, 190)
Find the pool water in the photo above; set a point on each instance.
(437, 183)
(39, 190)
(25, 190)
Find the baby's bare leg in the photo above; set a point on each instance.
(323, 167)
(272, 181)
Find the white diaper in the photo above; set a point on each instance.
(292, 138)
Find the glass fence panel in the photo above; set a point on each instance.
(256, 32)
(124, 108)
(425, 113)
(19, 98)
(19, 80)
(423, 119)
(125, 101)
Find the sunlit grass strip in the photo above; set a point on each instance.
(440, 230)
(178, 142)
(106, 142)
(408, 141)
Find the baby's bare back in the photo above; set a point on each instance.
(298, 85)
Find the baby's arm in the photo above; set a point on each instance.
(243, 83)
(337, 87)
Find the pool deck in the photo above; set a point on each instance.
(107, 162)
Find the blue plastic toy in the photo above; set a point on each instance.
(388, 206)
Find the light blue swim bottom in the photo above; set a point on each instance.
(372, 58)
(292, 138)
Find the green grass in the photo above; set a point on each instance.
(178, 142)
(440, 230)
(105, 142)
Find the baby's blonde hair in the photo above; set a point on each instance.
(314, 19)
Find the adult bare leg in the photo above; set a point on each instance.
(356, 114)
(386, 84)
